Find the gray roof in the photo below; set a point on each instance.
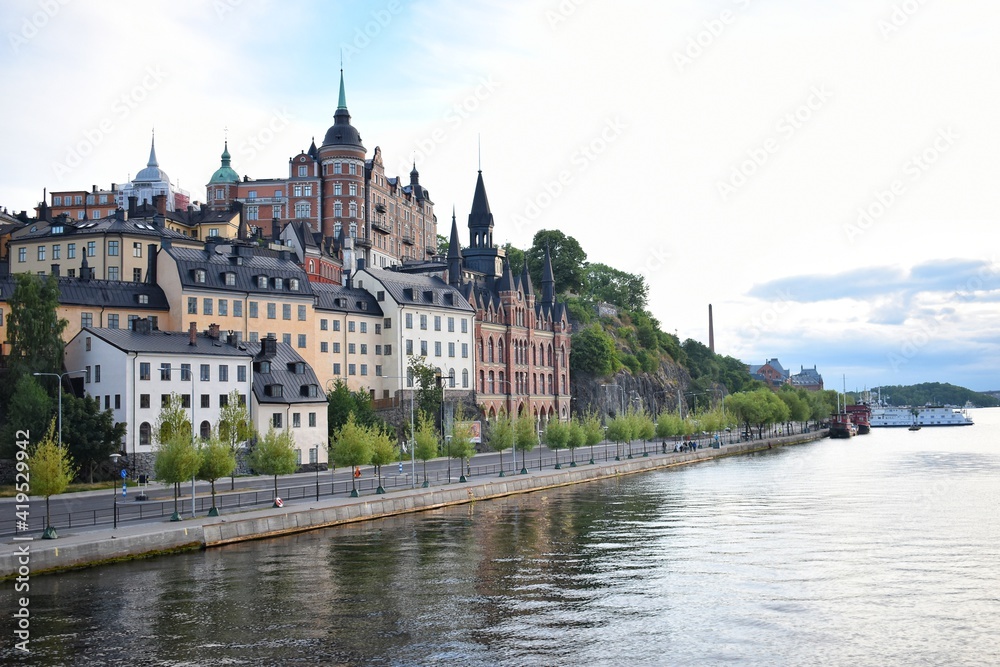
(345, 299)
(282, 372)
(406, 288)
(134, 226)
(247, 263)
(99, 293)
(166, 342)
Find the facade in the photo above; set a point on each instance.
(807, 378)
(150, 182)
(83, 204)
(771, 373)
(353, 337)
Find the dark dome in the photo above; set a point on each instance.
(342, 133)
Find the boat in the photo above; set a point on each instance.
(860, 415)
(914, 427)
(928, 415)
(841, 426)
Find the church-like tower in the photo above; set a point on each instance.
(342, 169)
(220, 192)
(481, 255)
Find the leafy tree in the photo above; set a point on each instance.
(593, 432)
(569, 261)
(384, 451)
(177, 459)
(576, 437)
(625, 290)
(91, 434)
(51, 470)
(430, 394)
(32, 408)
(461, 446)
(342, 402)
(34, 328)
(500, 435)
(593, 352)
(644, 428)
(217, 460)
(274, 454)
(234, 428)
(515, 257)
(442, 245)
(556, 437)
(525, 438)
(798, 404)
(426, 441)
(620, 430)
(668, 425)
(351, 446)
(757, 409)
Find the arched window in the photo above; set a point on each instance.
(491, 350)
(492, 383)
(550, 355)
(144, 434)
(552, 389)
(481, 350)
(534, 383)
(500, 380)
(482, 382)
(562, 353)
(465, 378)
(500, 350)
(534, 356)
(206, 430)
(451, 378)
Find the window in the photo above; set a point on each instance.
(465, 326)
(237, 309)
(223, 373)
(286, 311)
(223, 308)
(409, 346)
(378, 350)
(91, 248)
(144, 298)
(302, 313)
(70, 251)
(164, 400)
(136, 249)
(324, 346)
(336, 325)
(206, 306)
(451, 378)
(137, 275)
(293, 284)
(312, 420)
(364, 369)
(337, 169)
(272, 311)
(352, 188)
(323, 324)
(378, 328)
(437, 323)
(56, 251)
(186, 372)
(351, 369)
(112, 248)
(205, 403)
(252, 194)
(302, 209)
(230, 278)
(465, 350)
(364, 348)
(279, 283)
(57, 201)
(350, 326)
(144, 429)
(351, 348)
(86, 374)
(388, 350)
(276, 420)
(296, 420)
(112, 273)
(303, 170)
(41, 252)
(423, 348)
(241, 373)
(205, 374)
(302, 340)
(22, 254)
(286, 338)
(262, 282)
(386, 324)
(165, 372)
(451, 349)
(112, 321)
(409, 320)
(86, 320)
(144, 370)
(465, 378)
(451, 325)
(192, 305)
(336, 369)
(336, 347)
(437, 348)
(253, 309)
(423, 322)
(97, 373)
(363, 327)
(144, 400)
(223, 400)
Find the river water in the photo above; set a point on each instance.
(879, 550)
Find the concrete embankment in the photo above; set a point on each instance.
(136, 541)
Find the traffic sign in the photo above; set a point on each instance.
(123, 490)
(124, 474)
(400, 466)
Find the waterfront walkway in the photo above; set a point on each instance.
(96, 546)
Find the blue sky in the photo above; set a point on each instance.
(822, 173)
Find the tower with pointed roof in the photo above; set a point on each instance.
(342, 165)
(482, 255)
(220, 192)
(150, 182)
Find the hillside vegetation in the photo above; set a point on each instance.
(935, 393)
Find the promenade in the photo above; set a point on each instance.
(105, 545)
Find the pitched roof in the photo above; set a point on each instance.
(287, 369)
(345, 299)
(166, 342)
(408, 288)
(99, 293)
(247, 263)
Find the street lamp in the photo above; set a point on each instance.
(59, 391)
(114, 490)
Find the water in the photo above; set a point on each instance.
(880, 550)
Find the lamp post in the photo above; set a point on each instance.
(59, 392)
(114, 492)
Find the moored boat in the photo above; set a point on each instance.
(841, 426)
(860, 415)
(928, 415)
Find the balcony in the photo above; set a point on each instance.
(362, 242)
(262, 200)
(407, 239)
(382, 226)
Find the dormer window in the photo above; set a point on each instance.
(230, 278)
(57, 229)
(262, 282)
(279, 283)
(264, 367)
(143, 298)
(297, 367)
(274, 390)
(199, 275)
(293, 284)
(309, 390)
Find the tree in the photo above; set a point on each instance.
(274, 454)
(569, 261)
(426, 441)
(431, 394)
(668, 425)
(556, 436)
(515, 258)
(461, 446)
(177, 460)
(34, 328)
(593, 431)
(217, 460)
(342, 402)
(628, 291)
(442, 245)
(33, 408)
(384, 451)
(593, 352)
(91, 433)
(619, 430)
(645, 429)
(500, 435)
(576, 436)
(234, 427)
(351, 446)
(51, 470)
(525, 438)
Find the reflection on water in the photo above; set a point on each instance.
(877, 550)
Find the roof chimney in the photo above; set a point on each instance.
(213, 331)
(160, 204)
(193, 334)
(151, 264)
(133, 201)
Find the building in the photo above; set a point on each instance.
(807, 378)
(150, 182)
(770, 373)
(354, 337)
(83, 204)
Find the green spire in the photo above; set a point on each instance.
(342, 101)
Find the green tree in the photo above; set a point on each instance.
(576, 437)
(217, 460)
(500, 436)
(515, 258)
(461, 446)
(177, 459)
(593, 431)
(234, 427)
(625, 290)
(556, 437)
(274, 454)
(342, 402)
(430, 394)
(91, 434)
(351, 446)
(426, 440)
(645, 428)
(569, 261)
(34, 328)
(384, 451)
(594, 352)
(442, 245)
(668, 425)
(619, 431)
(50, 468)
(525, 438)
(33, 409)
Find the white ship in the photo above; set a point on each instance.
(928, 415)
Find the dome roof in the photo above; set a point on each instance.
(152, 172)
(225, 173)
(342, 133)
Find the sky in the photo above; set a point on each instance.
(820, 172)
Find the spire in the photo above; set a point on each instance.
(529, 289)
(152, 152)
(454, 254)
(480, 219)
(414, 174)
(226, 157)
(548, 281)
(342, 100)
(506, 282)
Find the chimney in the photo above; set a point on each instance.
(55, 270)
(711, 331)
(93, 188)
(121, 214)
(159, 220)
(275, 229)
(151, 264)
(160, 204)
(269, 346)
(132, 203)
(193, 334)
(283, 255)
(213, 331)
(361, 263)
(142, 326)
(114, 186)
